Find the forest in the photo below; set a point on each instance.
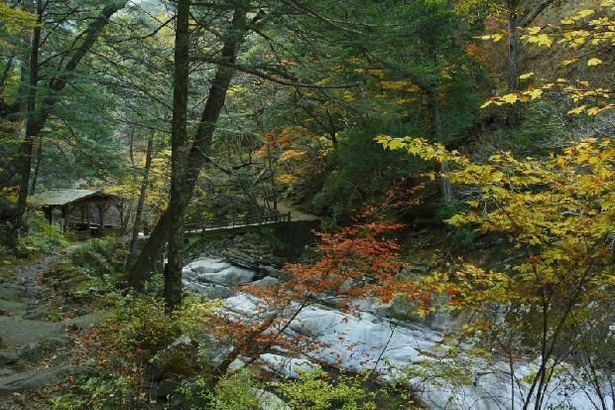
(292, 204)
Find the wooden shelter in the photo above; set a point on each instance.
(89, 212)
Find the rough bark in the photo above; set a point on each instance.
(143, 267)
(141, 201)
(436, 118)
(179, 145)
(33, 121)
(518, 18)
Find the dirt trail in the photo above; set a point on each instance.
(35, 342)
(285, 208)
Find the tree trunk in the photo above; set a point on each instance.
(141, 202)
(32, 122)
(179, 145)
(37, 166)
(514, 115)
(144, 265)
(435, 116)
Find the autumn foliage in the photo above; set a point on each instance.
(357, 262)
(558, 219)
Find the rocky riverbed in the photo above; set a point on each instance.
(397, 351)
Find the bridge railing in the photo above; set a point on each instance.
(249, 219)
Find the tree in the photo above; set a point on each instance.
(557, 216)
(180, 193)
(200, 144)
(46, 76)
(410, 71)
(579, 39)
(518, 15)
(356, 262)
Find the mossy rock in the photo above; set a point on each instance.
(178, 361)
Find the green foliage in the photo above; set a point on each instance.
(41, 238)
(97, 393)
(145, 325)
(558, 214)
(361, 172)
(12, 22)
(316, 391)
(541, 131)
(235, 391)
(83, 144)
(463, 236)
(100, 257)
(132, 347)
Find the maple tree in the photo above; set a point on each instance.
(586, 35)
(557, 215)
(358, 261)
(557, 218)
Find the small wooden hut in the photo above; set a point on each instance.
(89, 212)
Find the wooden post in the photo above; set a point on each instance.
(47, 210)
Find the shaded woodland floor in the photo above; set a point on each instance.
(37, 332)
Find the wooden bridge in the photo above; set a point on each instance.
(249, 220)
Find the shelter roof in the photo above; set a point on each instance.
(62, 197)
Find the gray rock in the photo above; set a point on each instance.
(37, 313)
(38, 350)
(266, 281)
(11, 307)
(269, 401)
(16, 331)
(34, 379)
(231, 276)
(87, 321)
(7, 357)
(268, 270)
(207, 265)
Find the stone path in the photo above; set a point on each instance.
(35, 344)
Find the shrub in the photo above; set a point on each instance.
(317, 391)
(41, 238)
(100, 257)
(132, 349)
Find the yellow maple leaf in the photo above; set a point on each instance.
(595, 110)
(543, 40)
(395, 144)
(594, 62)
(577, 110)
(526, 75)
(535, 93)
(586, 13)
(510, 98)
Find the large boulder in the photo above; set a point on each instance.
(215, 271)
